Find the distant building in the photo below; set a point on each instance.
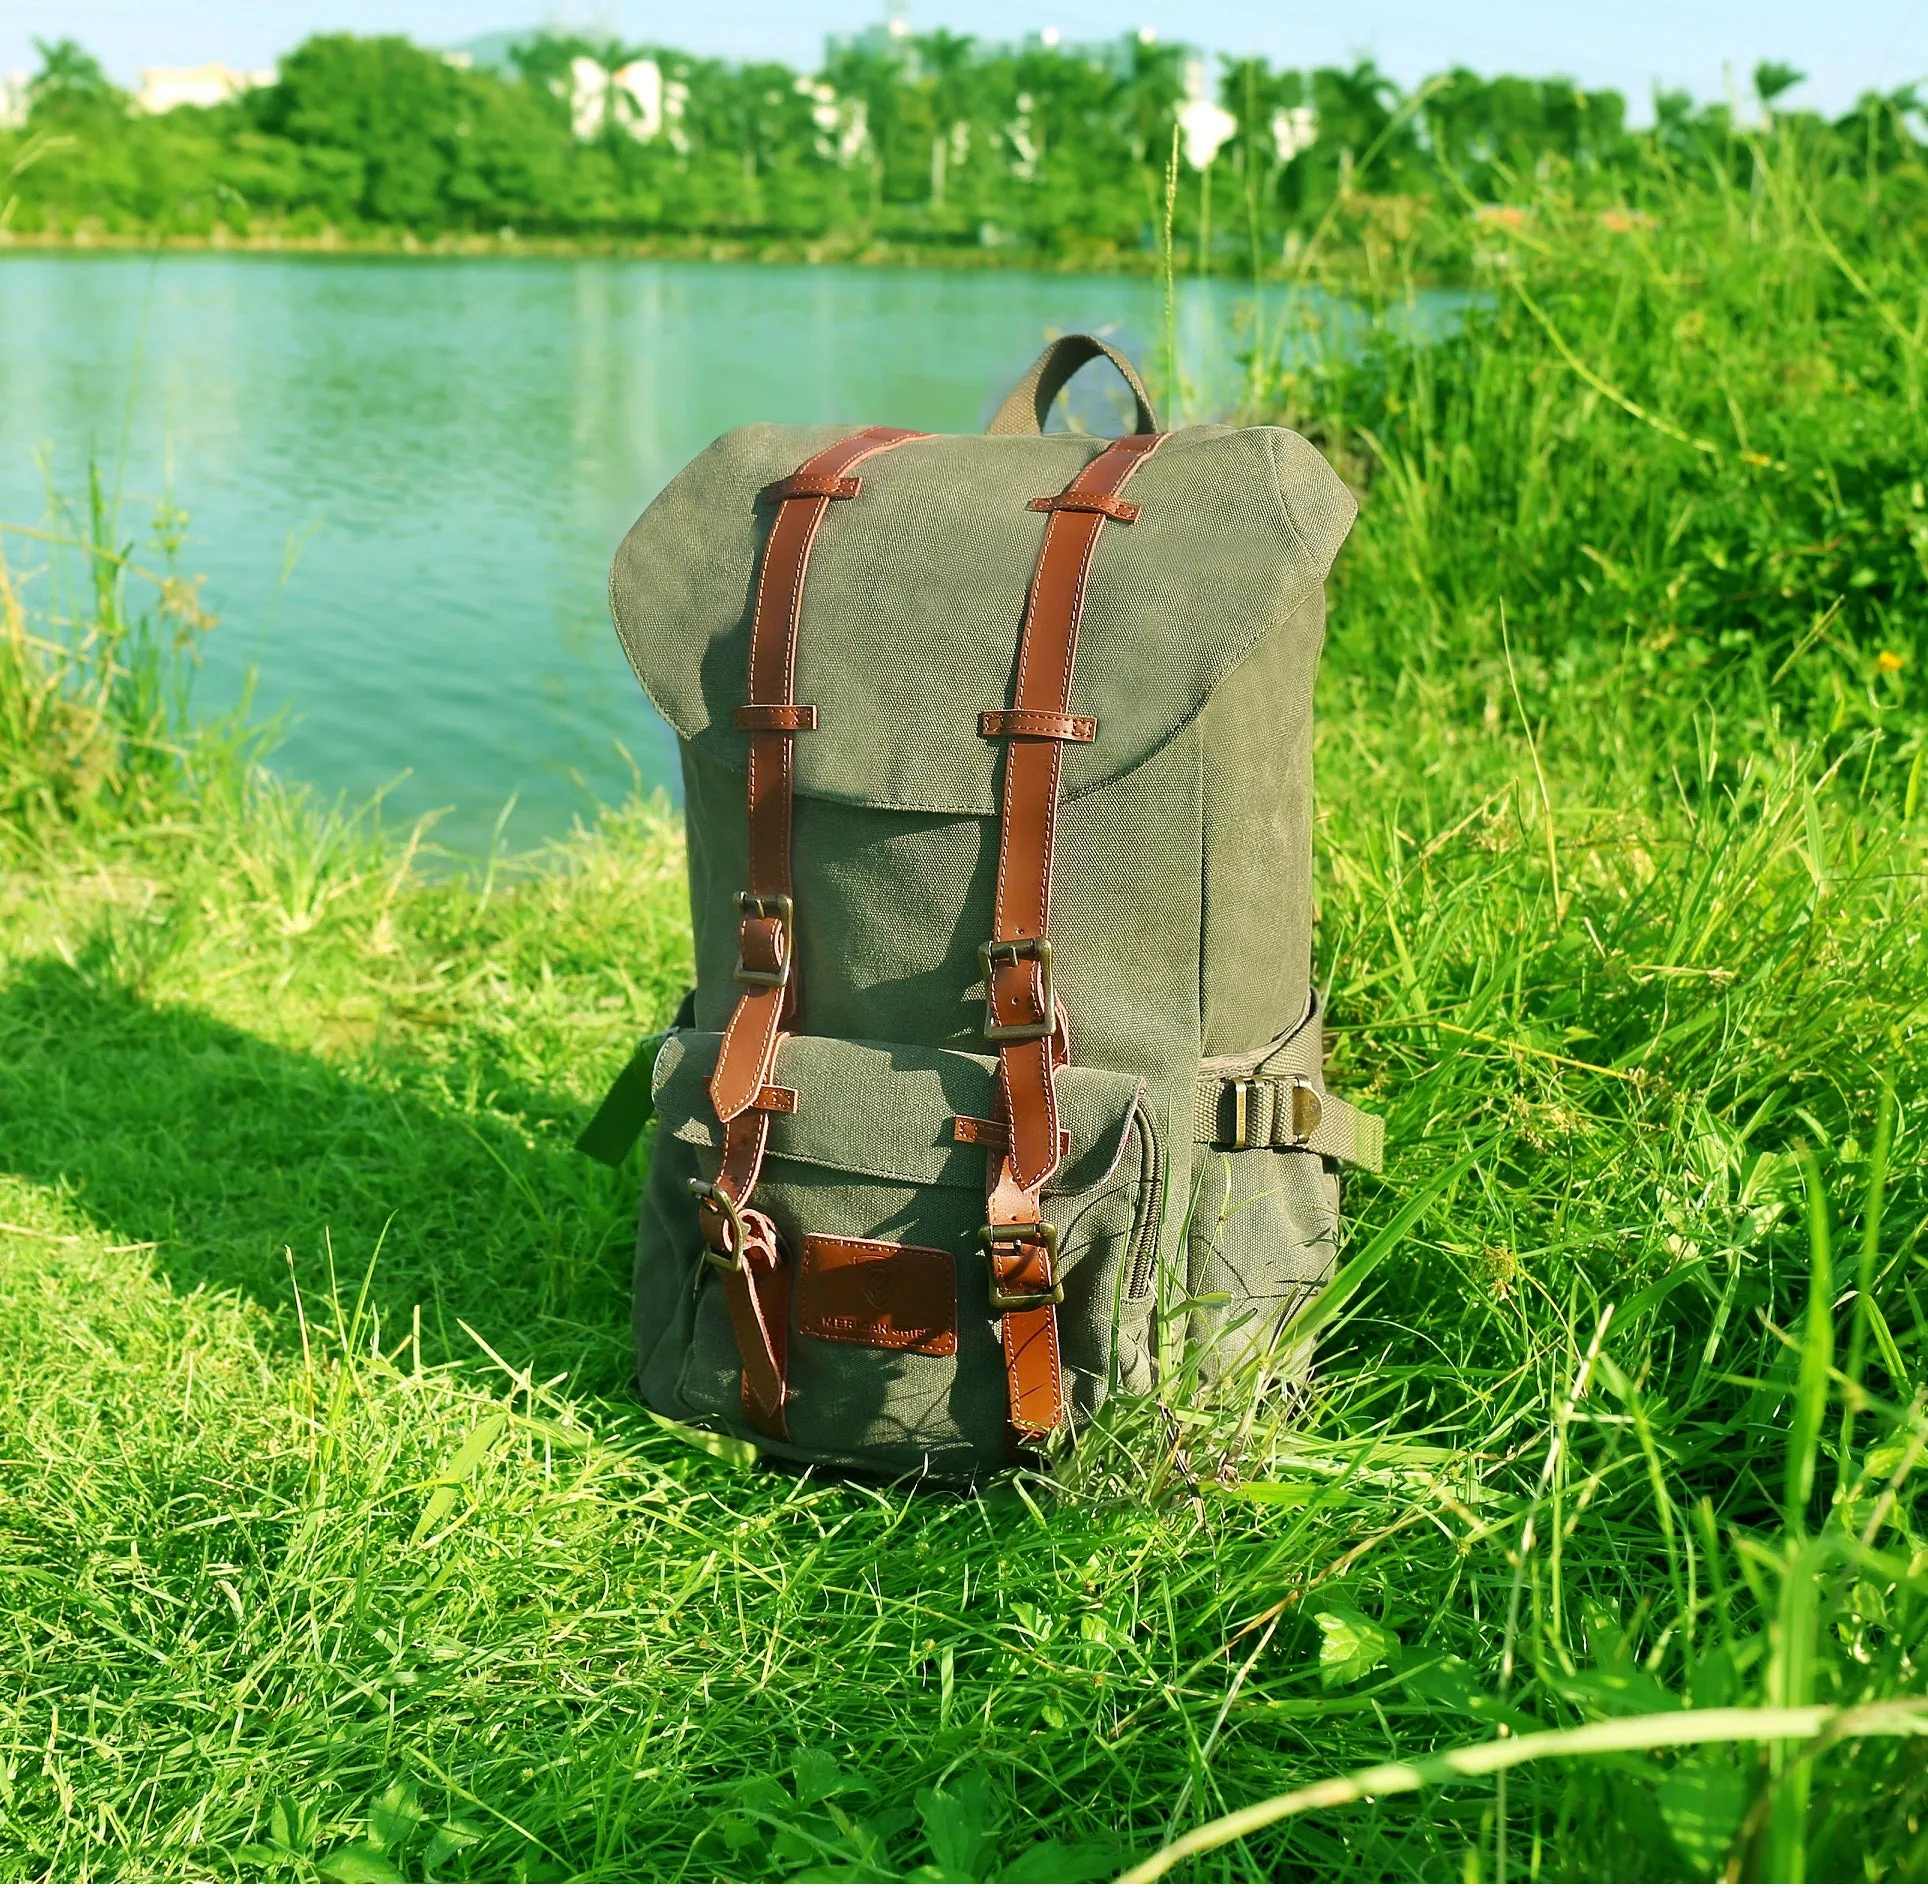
(1204, 123)
(635, 96)
(166, 88)
(13, 100)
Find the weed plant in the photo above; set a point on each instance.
(334, 1545)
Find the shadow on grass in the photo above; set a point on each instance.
(253, 1168)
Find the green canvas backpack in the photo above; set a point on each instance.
(1000, 1091)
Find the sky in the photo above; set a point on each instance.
(1706, 46)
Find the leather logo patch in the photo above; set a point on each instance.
(864, 1291)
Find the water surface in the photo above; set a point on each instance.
(406, 477)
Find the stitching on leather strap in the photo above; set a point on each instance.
(774, 717)
(1036, 723)
(1106, 504)
(972, 1130)
(1022, 1016)
(804, 483)
(745, 1244)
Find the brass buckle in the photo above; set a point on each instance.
(1014, 951)
(1304, 1110)
(783, 908)
(1241, 1116)
(710, 1193)
(1042, 1234)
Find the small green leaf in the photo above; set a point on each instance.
(1716, 1683)
(1453, 1685)
(729, 1449)
(793, 1846)
(1275, 1494)
(818, 1776)
(957, 1824)
(456, 1471)
(1065, 1862)
(1350, 1646)
(395, 1816)
(357, 1861)
(292, 1827)
(1616, 1691)
(1702, 1802)
(448, 1839)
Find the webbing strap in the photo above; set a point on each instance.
(624, 1112)
(743, 1243)
(1023, 1019)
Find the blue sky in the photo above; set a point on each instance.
(1845, 45)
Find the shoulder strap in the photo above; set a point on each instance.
(742, 1243)
(1023, 1018)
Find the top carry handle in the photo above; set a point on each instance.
(1028, 404)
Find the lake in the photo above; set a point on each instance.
(406, 477)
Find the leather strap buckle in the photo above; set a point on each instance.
(710, 1193)
(1017, 950)
(1044, 1234)
(781, 907)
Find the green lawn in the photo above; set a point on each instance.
(332, 1544)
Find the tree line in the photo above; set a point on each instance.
(934, 140)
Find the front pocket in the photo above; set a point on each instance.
(876, 1183)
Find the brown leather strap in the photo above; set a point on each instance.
(743, 1243)
(1023, 1017)
(766, 928)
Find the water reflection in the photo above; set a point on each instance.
(455, 447)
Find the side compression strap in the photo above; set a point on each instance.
(1023, 1020)
(1285, 1111)
(739, 1241)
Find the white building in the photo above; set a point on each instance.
(13, 100)
(636, 96)
(1203, 122)
(165, 88)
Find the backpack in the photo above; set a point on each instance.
(1000, 1093)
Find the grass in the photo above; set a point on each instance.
(334, 1545)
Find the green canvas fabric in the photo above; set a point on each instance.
(1181, 912)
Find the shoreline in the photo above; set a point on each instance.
(826, 253)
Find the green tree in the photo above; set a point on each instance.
(71, 91)
(391, 108)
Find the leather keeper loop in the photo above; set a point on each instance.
(775, 717)
(970, 1130)
(1106, 504)
(810, 485)
(996, 724)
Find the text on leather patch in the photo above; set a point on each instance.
(865, 1291)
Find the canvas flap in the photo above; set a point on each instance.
(916, 588)
(883, 1111)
